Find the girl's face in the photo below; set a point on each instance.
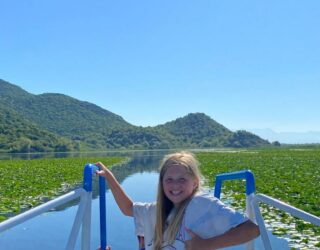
(178, 184)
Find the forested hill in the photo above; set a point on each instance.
(20, 135)
(71, 124)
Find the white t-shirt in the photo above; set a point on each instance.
(205, 215)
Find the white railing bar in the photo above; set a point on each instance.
(86, 224)
(250, 214)
(262, 227)
(77, 222)
(40, 209)
(289, 209)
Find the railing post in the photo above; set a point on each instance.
(86, 220)
(103, 224)
(86, 227)
(250, 189)
(102, 202)
(77, 222)
(262, 226)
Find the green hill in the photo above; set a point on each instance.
(82, 125)
(63, 115)
(195, 130)
(199, 130)
(20, 135)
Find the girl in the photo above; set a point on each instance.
(183, 217)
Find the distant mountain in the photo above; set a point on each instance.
(82, 125)
(288, 137)
(196, 130)
(199, 130)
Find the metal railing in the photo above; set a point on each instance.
(252, 204)
(250, 189)
(83, 215)
(281, 206)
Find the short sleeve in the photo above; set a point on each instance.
(143, 214)
(208, 217)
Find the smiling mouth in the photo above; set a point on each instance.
(175, 193)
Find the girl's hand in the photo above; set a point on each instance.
(196, 242)
(103, 169)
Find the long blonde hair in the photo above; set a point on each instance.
(164, 205)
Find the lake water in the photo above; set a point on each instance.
(139, 179)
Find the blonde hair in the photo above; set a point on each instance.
(164, 205)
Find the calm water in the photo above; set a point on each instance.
(51, 230)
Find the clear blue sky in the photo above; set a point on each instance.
(246, 64)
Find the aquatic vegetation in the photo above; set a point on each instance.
(292, 176)
(27, 183)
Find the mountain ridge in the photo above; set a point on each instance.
(88, 126)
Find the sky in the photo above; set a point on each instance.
(246, 64)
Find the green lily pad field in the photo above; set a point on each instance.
(290, 175)
(27, 183)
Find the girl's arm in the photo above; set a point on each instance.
(235, 236)
(123, 200)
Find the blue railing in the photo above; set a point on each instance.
(245, 174)
(103, 216)
(89, 170)
(252, 204)
(250, 189)
(83, 215)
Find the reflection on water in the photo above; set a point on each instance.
(121, 153)
(140, 163)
